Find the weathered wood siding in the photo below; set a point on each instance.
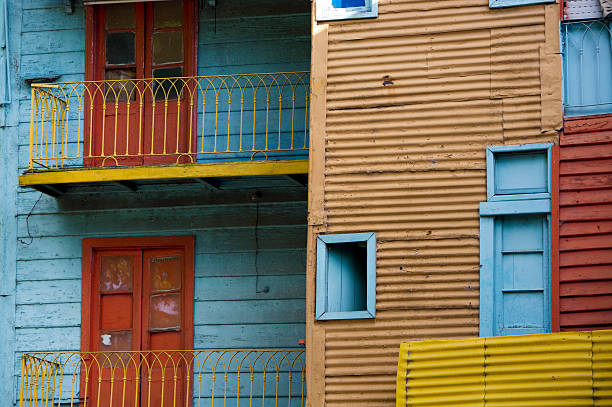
(411, 100)
(585, 229)
(249, 268)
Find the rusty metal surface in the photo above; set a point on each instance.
(413, 98)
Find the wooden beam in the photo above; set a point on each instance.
(130, 186)
(157, 172)
(54, 191)
(211, 183)
(298, 179)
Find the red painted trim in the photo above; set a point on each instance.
(554, 238)
(562, 10)
(585, 124)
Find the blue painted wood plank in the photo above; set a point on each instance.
(48, 315)
(54, 247)
(271, 262)
(248, 336)
(198, 218)
(249, 312)
(251, 287)
(45, 65)
(38, 4)
(52, 19)
(47, 339)
(256, 28)
(48, 292)
(43, 42)
(514, 207)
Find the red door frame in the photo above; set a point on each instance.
(94, 61)
(90, 245)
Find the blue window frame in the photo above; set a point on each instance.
(515, 242)
(518, 172)
(328, 10)
(346, 276)
(513, 3)
(587, 67)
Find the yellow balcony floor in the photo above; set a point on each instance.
(54, 182)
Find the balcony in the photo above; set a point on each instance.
(164, 378)
(167, 128)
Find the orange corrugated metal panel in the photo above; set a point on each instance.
(585, 233)
(560, 369)
(413, 99)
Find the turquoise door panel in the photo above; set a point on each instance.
(521, 275)
(587, 67)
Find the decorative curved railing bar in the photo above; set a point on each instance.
(169, 120)
(164, 378)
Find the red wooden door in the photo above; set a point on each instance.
(135, 121)
(118, 111)
(116, 323)
(164, 316)
(171, 103)
(139, 299)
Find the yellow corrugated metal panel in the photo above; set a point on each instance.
(602, 368)
(539, 370)
(561, 369)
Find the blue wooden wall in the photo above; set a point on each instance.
(235, 261)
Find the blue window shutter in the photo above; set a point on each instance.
(515, 241)
(587, 67)
(522, 275)
(512, 3)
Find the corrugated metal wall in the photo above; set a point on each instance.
(562, 369)
(585, 231)
(413, 98)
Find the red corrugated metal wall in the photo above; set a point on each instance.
(585, 224)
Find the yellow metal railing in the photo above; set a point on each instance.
(164, 378)
(169, 120)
